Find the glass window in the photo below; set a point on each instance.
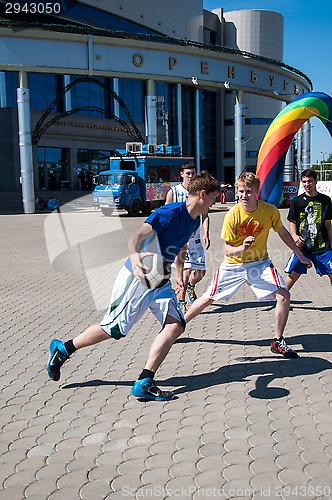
(90, 94)
(43, 90)
(209, 36)
(51, 163)
(164, 174)
(93, 16)
(188, 121)
(258, 121)
(167, 113)
(132, 94)
(152, 174)
(127, 165)
(208, 131)
(11, 88)
(251, 154)
(175, 174)
(110, 180)
(94, 159)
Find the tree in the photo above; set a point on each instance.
(324, 169)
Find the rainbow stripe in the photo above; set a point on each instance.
(272, 153)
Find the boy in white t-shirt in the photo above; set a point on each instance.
(194, 267)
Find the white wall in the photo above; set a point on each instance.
(257, 31)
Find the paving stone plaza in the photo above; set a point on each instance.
(246, 424)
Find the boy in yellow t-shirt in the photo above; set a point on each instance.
(245, 231)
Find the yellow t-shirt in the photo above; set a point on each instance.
(239, 224)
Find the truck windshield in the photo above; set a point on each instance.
(110, 180)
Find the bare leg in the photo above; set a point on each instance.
(197, 307)
(163, 342)
(330, 277)
(281, 311)
(196, 276)
(92, 335)
(186, 276)
(291, 279)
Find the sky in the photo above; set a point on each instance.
(307, 47)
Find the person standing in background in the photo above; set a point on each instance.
(309, 217)
(194, 267)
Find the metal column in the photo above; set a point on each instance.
(197, 132)
(299, 151)
(306, 139)
(24, 127)
(115, 102)
(67, 96)
(289, 171)
(179, 113)
(3, 95)
(240, 160)
(151, 113)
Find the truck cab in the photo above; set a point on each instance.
(118, 189)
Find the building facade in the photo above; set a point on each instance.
(80, 80)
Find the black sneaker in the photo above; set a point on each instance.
(147, 389)
(58, 355)
(280, 347)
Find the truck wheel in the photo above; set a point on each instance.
(107, 212)
(135, 209)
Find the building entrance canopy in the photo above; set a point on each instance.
(67, 53)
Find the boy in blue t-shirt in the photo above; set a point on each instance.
(173, 225)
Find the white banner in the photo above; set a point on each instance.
(324, 187)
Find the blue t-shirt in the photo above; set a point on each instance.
(173, 226)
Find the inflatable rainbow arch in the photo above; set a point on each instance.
(272, 153)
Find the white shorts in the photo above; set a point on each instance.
(195, 256)
(131, 299)
(262, 277)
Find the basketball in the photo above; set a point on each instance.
(158, 271)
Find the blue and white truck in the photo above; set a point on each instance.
(138, 181)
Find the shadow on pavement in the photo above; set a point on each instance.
(268, 305)
(266, 369)
(310, 342)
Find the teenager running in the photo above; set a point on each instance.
(172, 225)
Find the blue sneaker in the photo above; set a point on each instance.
(58, 355)
(191, 293)
(147, 389)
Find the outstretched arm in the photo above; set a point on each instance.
(296, 237)
(231, 250)
(206, 230)
(133, 247)
(288, 240)
(328, 225)
(179, 264)
(169, 197)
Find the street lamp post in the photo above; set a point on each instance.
(323, 153)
